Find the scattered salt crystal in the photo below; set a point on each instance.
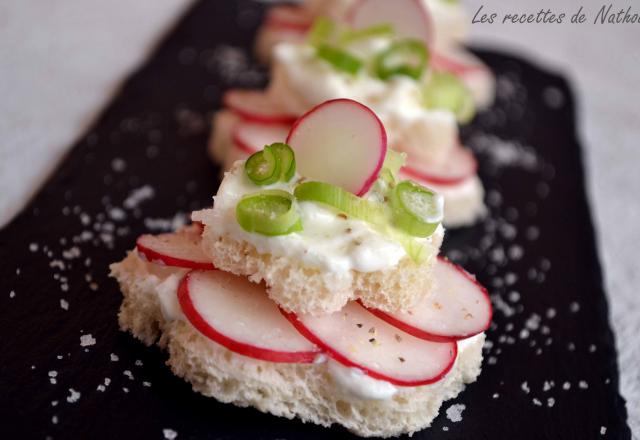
(454, 412)
(125, 389)
(146, 384)
(525, 387)
(515, 252)
(533, 322)
(73, 396)
(510, 278)
(54, 403)
(118, 165)
(551, 313)
(566, 386)
(33, 247)
(603, 430)
(583, 385)
(114, 357)
(101, 388)
(64, 304)
(85, 219)
(514, 296)
(137, 196)
(54, 420)
(571, 346)
(546, 386)
(138, 363)
(524, 333)
(550, 402)
(574, 307)
(445, 428)
(128, 373)
(169, 434)
(87, 340)
(592, 348)
(107, 381)
(117, 214)
(12, 294)
(536, 402)
(495, 395)
(545, 264)
(53, 373)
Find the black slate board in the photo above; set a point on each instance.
(535, 252)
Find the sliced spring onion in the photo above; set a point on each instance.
(416, 209)
(321, 31)
(406, 57)
(394, 160)
(379, 30)
(287, 159)
(263, 167)
(340, 59)
(373, 213)
(445, 91)
(342, 200)
(269, 212)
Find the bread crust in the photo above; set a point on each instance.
(301, 289)
(304, 391)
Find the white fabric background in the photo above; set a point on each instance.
(46, 103)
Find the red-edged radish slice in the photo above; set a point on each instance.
(178, 249)
(409, 18)
(256, 106)
(289, 17)
(457, 308)
(251, 137)
(341, 142)
(459, 166)
(239, 315)
(357, 338)
(456, 64)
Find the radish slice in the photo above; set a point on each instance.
(457, 308)
(239, 315)
(251, 137)
(409, 18)
(179, 249)
(340, 142)
(356, 338)
(457, 64)
(291, 18)
(255, 106)
(459, 166)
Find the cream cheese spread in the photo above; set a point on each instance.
(328, 241)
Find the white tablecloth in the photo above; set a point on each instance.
(61, 62)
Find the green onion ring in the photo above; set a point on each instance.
(321, 31)
(340, 59)
(447, 92)
(406, 57)
(287, 159)
(269, 212)
(343, 201)
(379, 30)
(263, 167)
(416, 209)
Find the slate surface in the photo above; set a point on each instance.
(66, 371)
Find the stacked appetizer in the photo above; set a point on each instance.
(313, 287)
(444, 23)
(385, 67)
